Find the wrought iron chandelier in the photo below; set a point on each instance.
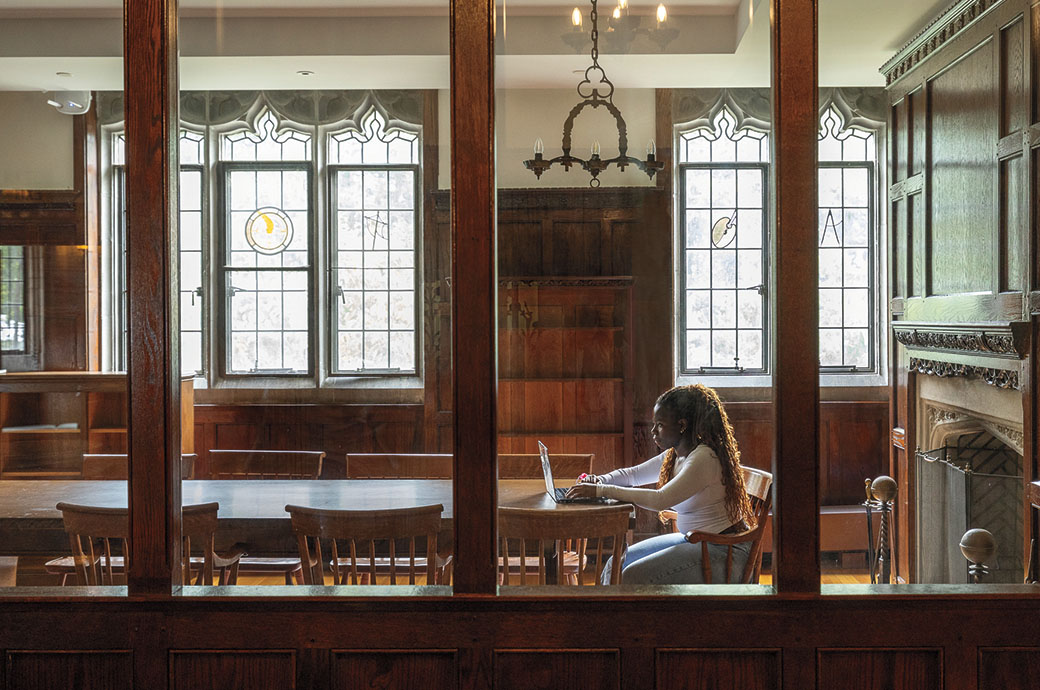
(595, 95)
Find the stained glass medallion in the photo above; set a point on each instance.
(269, 230)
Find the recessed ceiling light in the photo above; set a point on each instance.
(304, 72)
(63, 74)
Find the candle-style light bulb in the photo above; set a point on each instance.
(595, 148)
(617, 13)
(576, 18)
(623, 5)
(539, 147)
(651, 149)
(662, 14)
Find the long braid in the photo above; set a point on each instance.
(667, 471)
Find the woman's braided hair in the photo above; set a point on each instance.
(701, 408)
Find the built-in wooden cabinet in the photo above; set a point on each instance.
(49, 419)
(565, 367)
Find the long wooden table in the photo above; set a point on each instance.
(251, 511)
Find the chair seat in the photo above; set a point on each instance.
(290, 568)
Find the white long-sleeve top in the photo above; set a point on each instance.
(695, 491)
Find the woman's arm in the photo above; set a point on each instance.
(692, 477)
(637, 475)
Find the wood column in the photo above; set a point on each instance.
(474, 287)
(796, 383)
(150, 44)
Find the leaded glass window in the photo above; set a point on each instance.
(375, 262)
(847, 249)
(192, 151)
(12, 299)
(723, 172)
(267, 250)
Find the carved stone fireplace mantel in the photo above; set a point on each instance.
(990, 351)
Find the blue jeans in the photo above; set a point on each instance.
(668, 559)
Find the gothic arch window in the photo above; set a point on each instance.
(300, 220)
(723, 173)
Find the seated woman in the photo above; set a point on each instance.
(698, 475)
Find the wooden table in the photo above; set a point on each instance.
(251, 511)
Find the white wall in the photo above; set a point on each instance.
(35, 143)
(522, 115)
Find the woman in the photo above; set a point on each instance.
(698, 475)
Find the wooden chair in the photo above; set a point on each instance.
(359, 531)
(399, 465)
(115, 466)
(100, 546)
(265, 464)
(529, 466)
(758, 484)
(588, 528)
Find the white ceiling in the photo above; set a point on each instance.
(403, 43)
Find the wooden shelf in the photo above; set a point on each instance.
(95, 402)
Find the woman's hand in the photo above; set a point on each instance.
(584, 489)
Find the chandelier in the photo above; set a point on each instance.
(622, 29)
(595, 96)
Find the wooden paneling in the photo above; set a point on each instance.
(1013, 104)
(1013, 228)
(901, 264)
(1009, 669)
(64, 315)
(918, 133)
(523, 669)
(358, 670)
(51, 217)
(232, 670)
(900, 141)
(83, 670)
(963, 137)
(866, 669)
(691, 669)
(853, 444)
(335, 429)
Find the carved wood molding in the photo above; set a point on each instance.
(566, 281)
(41, 217)
(946, 26)
(1002, 340)
(1001, 378)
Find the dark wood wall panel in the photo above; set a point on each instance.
(854, 441)
(523, 251)
(232, 670)
(1013, 175)
(83, 670)
(361, 670)
(900, 265)
(899, 150)
(1013, 98)
(523, 670)
(691, 669)
(917, 245)
(963, 139)
(1009, 669)
(53, 217)
(65, 311)
(876, 669)
(335, 429)
(918, 130)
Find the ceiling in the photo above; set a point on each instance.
(249, 44)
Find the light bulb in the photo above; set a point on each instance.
(576, 18)
(617, 13)
(662, 14)
(651, 148)
(595, 148)
(623, 4)
(539, 147)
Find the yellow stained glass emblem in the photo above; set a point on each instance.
(269, 230)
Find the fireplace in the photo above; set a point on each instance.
(973, 481)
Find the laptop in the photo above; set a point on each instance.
(560, 495)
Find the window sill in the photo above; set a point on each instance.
(333, 389)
